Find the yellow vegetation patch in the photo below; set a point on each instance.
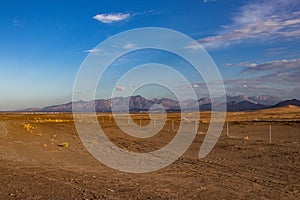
(28, 127)
(39, 120)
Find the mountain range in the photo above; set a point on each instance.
(139, 103)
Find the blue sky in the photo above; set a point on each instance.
(255, 44)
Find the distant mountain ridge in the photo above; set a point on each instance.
(293, 102)
(262, 99)
(139, 103)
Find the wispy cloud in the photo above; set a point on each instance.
(120, 88)
(92, 51)
(146, 13)
(282, 84)
(261, 20)
(206, 1)
(241, 64)
(116, 17)
(280, 78)
(110, 18)
(277, 65)
(275, 51)
(128, 46)
(193, 46)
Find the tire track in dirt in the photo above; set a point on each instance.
(271, 178)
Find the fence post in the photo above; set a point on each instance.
(227, 131)
(270, 133)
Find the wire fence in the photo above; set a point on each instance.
(278, 131)
(266, 131)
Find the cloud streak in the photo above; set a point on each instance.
(111, 18)
(129, 46)
(92, 51)
(278, 77)
(193, 46)
(241, 64)
(277, 65)
(120, 88)
(262, 20)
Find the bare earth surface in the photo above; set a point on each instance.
(243, 165)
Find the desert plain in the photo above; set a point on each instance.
(42, 157)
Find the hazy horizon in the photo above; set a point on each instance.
(268, 100)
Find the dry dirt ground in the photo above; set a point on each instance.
(243, 165)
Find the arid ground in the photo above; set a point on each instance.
(42, 157)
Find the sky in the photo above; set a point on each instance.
(255, 45)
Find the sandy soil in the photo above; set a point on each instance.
(33, 166)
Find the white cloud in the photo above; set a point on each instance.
(193, 46)
(110, 18)
(241, 64)
(129, 46)
(121, 60)
(92, 50)
(120, 88)
(261, 20)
